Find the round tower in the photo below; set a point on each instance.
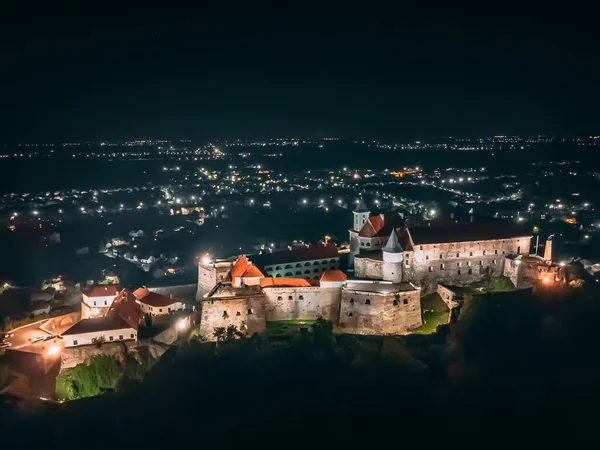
(392, 259)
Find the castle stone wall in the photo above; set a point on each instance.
(365, 267)
(247, 313)
(209, 275)
(383, 313)
(302, 303)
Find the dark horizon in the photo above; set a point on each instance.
(126, 74)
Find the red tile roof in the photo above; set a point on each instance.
(239, 267)
(371, 227)
(283, 282)
(333, 275)
(150, 298)
(102, 290)
(252, 272)
(125, 306)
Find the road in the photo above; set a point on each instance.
(23, 336)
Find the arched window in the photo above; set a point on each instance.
(306, 264)
(324, 262)
(288, 266)
(278, 268)
(405, 301)
(289, 274)
(280, 298)
(307, 271)
(332, 261)
(298, 265)
(278, 275)
(298, 272)
(316, 263)
(301, 297)
(316, 270)
(351, 300)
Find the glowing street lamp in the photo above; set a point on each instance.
(182, 325)
(54, 350)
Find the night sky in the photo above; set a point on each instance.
(150, 73)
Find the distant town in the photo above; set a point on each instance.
(114, 247)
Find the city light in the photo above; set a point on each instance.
(206, 259)
(35, 213)
(182, 325)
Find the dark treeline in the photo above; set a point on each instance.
(515, 369)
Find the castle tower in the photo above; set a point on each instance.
(548, 249)
(361, 215)
(392, 259)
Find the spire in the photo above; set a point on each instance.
(361, 207)
(393, 245)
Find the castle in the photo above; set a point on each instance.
(393, 267)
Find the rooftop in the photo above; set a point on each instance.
(313, 252)
(106, 323)
(150, 298)
(333, 275)
(380, 287)
(284, 282)
(466, 232)
(102, 290)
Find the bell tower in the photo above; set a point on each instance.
(361, 215)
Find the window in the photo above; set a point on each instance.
(307, 271)
(519, 250)
(431, 268)
(105, 302)
(349, 314)
(301, 297)
(278, 268)
(503, 252)
(468, 263)
(306, 264)
(494, 262)
(250, 311)
(458, 255)
(280, 298)
(160, 310)
(481, 263)
(324, 262)
(420, 247)
(368, 244)
(470, 253)
(351, 300)
(395, 302)
(225, 315)
(110, 338)
(132, 335)
(94, 340)
(290, 297)
(367, 302)
(120, 337)
(75, 342)
(288, 266)
(441, 256)
(238, 313)
(484, 253)
(470, 271)
(442, 267)
(298, 272)
(495, 252)
(426, 256)
(316, 270)
(459, 271)
(406, 261)
(458, 264)
(405, 301)
(289, 274)
(94, 302)
(298, 265)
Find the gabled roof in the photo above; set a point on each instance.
(333, 275)
(393, 245)
(283, 282)
(405, 239)
(150, 298)
(126, 307)
(252, 272)
(361, 207)
(371, 226)
(102, 290)
(239, 267)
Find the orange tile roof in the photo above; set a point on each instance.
(126, 307)
(102, 290)
(239, 267)
(150, 298)
(333, 275)
(371, 226)
(252, 272)
(283, 282)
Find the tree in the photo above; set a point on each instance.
(232, 333)
(100, 340)
(148, 320)
(220, 333)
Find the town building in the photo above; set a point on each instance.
(156, 304)
(97, 299)
(119, 324)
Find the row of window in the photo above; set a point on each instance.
(290, 297)
(443, 266)
(159, 309)
(368, 301)
(105, 304)
(226, 315)
(110, 338)
(442, 246)
(290, 266)
(306, 272)
(471, 253)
